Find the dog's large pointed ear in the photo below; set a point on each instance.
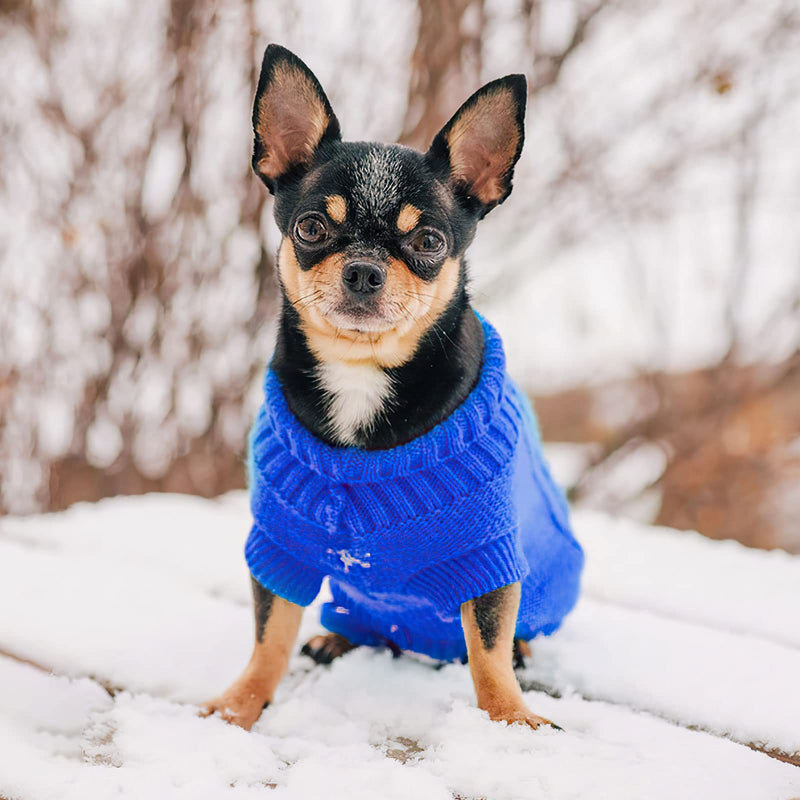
(291, 116)
(482, 142)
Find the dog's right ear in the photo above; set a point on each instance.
(291, 117)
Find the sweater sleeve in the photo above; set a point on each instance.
(450, 583)
(278, 571)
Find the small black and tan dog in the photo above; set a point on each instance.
(377, 341)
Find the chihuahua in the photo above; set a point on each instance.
(379, 355)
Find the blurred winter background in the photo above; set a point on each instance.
(645, 272)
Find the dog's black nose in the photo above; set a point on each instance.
(363, 277)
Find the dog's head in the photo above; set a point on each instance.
(373, 235)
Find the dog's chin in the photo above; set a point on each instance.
(359, 321)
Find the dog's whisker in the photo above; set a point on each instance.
(306, 300)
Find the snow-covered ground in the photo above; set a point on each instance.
(118, 618)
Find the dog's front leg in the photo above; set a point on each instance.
(277, 623)
(489, 622)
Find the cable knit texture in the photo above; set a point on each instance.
(407, 535)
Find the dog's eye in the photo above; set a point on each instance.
(310, 229)
(427, 243)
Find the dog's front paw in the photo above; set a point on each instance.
(521, 716)
(240, 705)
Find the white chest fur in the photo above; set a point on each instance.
(358, 392)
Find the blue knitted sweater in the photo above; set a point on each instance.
(407, 535)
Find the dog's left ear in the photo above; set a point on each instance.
(291, 117)
(482, 142)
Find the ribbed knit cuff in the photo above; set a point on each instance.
(279, 572)
(450, 583)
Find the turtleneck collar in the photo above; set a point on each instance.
(470, 421)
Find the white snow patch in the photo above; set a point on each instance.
(151, 595)
(683, 575)
(165, 165)
(103, 442)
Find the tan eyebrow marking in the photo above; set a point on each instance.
(408, 218)
(336, 207)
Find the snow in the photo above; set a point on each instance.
(133, 610)
(681, 575)
(684, 672)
